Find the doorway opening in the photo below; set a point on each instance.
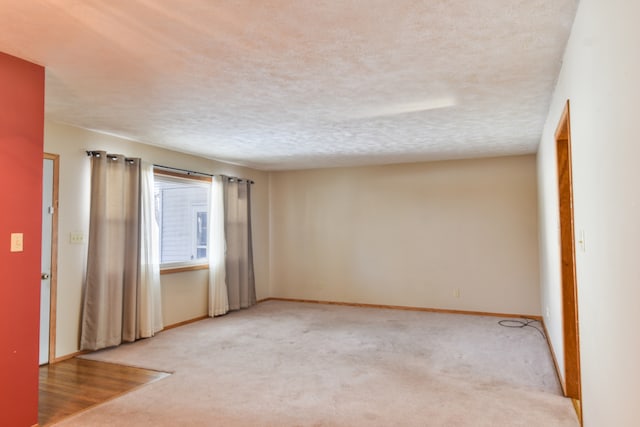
(572, 383)
(49, 261)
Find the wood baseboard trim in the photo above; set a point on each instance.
(185, 322)
(407, 308)
(577, 405)
(554, 358)
(81, 352)
(69, 356)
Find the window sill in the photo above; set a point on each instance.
(171, 270)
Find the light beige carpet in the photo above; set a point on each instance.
(295, 364)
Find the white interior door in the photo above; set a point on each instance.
(45, 284)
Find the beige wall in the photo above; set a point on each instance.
(409, 235)
(600, 77)
(184, 294)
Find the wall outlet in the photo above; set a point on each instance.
(456, 293)
(76, 238)
(17, 242)
(546, 312)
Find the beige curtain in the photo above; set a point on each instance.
(218, 302)
(149, 303)
(121, 297)
(241, 292)
(108, 315)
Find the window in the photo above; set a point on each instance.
(182, 210)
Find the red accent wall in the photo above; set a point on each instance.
(21, 149)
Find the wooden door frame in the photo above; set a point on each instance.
(54, 256)
(572, 381)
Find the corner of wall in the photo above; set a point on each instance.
(21, 151)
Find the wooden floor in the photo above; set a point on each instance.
(76, 384)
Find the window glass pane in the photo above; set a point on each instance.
(202, 252)
(182, 212)
(201, 232)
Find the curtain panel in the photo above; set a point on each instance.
(149, 297)
(218, 301)
(231, 276)
(240, 281)
(120, 289)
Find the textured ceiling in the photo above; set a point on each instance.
(285, 84)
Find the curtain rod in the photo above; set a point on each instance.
(189, 172)
(186, 171)
(96, 153)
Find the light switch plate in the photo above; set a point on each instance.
(16, 242)
(76, 238)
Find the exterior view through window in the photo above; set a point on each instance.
(182, 210)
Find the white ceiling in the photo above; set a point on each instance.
(285, 84)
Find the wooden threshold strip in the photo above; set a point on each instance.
(75, 385)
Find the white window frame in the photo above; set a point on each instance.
(196, 264)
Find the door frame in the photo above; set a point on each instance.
(53, 281)
(572, 381)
